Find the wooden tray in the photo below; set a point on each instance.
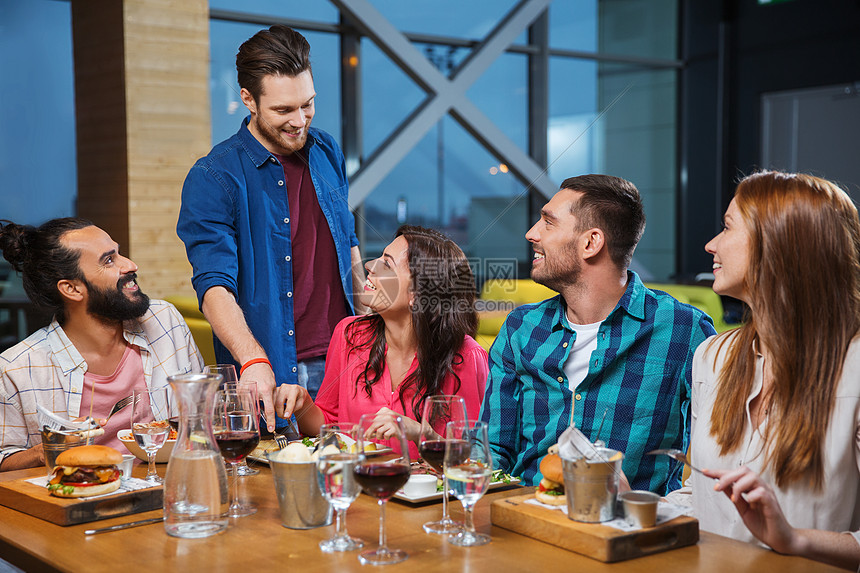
(35, 500)
(593, 540)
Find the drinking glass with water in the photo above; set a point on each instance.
(469, 469)
(338, 485)
(150, 412)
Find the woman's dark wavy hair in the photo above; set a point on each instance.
(42, 259)
(443, 313)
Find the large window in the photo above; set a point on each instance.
(38, 173)
(610, 87)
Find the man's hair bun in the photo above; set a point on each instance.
(13, 242)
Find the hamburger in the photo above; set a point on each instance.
(551, 488)
(84, 471)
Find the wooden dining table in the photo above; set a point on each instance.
(260, 543)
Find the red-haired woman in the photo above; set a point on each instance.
(776, 403)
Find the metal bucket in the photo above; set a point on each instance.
(299, 497)
(592, 486)
(55, 443)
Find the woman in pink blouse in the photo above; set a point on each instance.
(417, 342)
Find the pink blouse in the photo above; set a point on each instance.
(342, 401)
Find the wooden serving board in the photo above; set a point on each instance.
(593, 540)
(34, 500)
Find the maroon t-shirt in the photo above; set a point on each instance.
(318, 299)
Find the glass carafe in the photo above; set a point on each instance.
(195, 486)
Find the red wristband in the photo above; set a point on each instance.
(253, 361)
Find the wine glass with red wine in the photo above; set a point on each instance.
(235, 421)
(439, 410)
(229, 378)
(381, 476)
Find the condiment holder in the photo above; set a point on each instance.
(640, 507)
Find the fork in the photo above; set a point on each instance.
(280, 439)
(119, 406)
(280, 435)
(675, 454)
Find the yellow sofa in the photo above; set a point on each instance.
(197, 324)
(702, 297)
(524, 291)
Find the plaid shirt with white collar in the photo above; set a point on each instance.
(47, 369)
(640, 371)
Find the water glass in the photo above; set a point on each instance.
(469, 469)
(338, 485)
(150, 415)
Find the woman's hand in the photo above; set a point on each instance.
(384, 426)
(758, 507)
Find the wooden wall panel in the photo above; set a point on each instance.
(163, 128)
(97, 32)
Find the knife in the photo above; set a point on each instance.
(124, 526)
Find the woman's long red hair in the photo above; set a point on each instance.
(802, 282)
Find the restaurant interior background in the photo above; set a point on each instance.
(463, 116)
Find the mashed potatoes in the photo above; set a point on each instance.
(294, 452)
(297, 452)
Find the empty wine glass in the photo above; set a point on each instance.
(336, 474)
(150, 412)
(469, 469)
(229, 378)
(438, 411)
(227, 372)
(235, 421)
(381, 477)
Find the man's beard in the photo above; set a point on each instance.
(553, 276)
(115, 305)
(283, 145)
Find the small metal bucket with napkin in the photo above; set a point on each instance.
(591, 477)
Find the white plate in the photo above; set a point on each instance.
(401, 495)
(163, 455)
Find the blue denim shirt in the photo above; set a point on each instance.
(235, 223)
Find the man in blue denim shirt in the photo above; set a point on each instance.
(267, 226)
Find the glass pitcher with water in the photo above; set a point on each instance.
(195, 487)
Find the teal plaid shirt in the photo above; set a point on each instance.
(641, 371)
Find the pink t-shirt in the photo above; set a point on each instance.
(341, 401)
(105, 391)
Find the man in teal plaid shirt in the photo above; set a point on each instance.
(605, 344)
